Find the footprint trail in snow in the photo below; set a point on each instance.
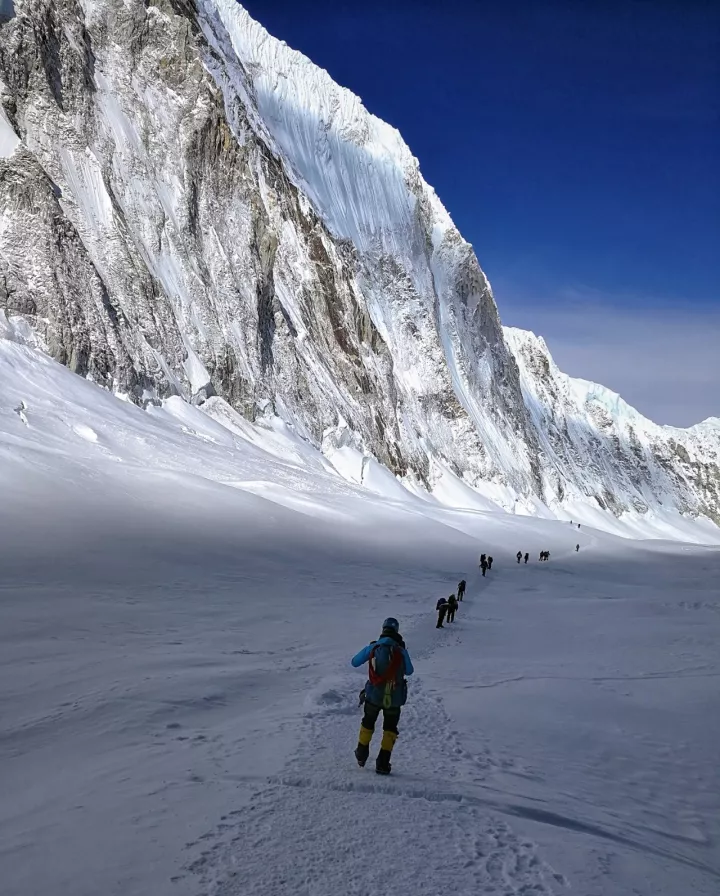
(325, 827)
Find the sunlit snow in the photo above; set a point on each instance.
(181, 592)
(181, 589)
(9, 140)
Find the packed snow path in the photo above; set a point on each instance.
(179, 714)
(459, 818)
(324, 826)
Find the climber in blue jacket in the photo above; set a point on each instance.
(385, 691)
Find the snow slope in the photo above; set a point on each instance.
(9, 140)
(195, 209)
(181, 591)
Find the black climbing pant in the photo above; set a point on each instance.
(391, 717)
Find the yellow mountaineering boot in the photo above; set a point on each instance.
(362, 751)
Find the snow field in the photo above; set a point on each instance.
(181, 593)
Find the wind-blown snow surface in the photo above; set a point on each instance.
(180, 595)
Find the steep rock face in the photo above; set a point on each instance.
(169, 241)
(208, 262)
(605, 451)
(194, 208)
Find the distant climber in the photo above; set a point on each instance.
(519, 556)
(578, 525)
(483, 559)
(484, 566)
(452, 606)
(527, 557)
(461, 589)
(542, 555)
(385, 691)
(577, 547)
(489, 562)
(442, 607)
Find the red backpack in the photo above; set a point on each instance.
(383, 670)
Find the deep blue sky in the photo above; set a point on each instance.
(576, 145)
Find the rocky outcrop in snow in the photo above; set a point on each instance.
(190, 207)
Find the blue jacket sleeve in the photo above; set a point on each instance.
(409, 668)
(363, 656)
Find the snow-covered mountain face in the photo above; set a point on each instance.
(610, 452)
(190, 207)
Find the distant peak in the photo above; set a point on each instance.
(521, 338)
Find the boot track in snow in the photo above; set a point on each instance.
(325, 826)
